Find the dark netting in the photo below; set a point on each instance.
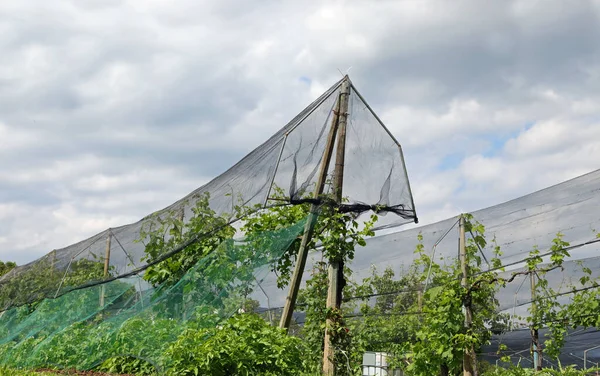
(517, 227)
(518, 343)
(282, 171)
(375, 172)
(127, 318)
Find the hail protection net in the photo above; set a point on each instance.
(126, 318)
(134, 290)
(517, 227)
(105, 296)
(284, 170)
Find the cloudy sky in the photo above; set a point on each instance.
(111, 109)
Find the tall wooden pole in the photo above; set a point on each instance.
(290, 302)
(107, 255)
(106, 265)
(469, 354)
(535, 336)
(182, 308)
(336, 266)
(53, 263)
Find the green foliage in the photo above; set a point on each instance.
(139, 345)
(164, 232)
(545, 310)
(312, 299)
(205, 231)
(6, 267)
(132, 331)
(580, 312)
(183, 332)
(440, 336)
(392, 319)
(243, 345)
(257, 221)
(426, 340)
(43, 280)
(338, 234)
(18, 372)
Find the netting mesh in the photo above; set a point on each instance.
(288, 162)
(59, 299)
(517, 227)
(124, 318)
(106, 297)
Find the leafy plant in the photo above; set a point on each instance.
(6, 267)
(438, 335)
(243, 345)
(43, 279)
(164, 232)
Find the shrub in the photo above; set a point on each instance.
(243, 345)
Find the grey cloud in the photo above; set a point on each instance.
(478, 50)
(34, 195)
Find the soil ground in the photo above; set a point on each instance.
(73, 372)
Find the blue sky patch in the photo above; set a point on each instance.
(306, 80)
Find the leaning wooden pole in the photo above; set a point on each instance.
(290, 302)
(468, 354)
(336, 266)
(53, 263)
(106, 266)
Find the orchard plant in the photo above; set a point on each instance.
(206, 234)
(202, 232)
(391, 319)
(580, 311)
(337, 233)
(438, 337)
(6, 267)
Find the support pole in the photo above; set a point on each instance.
(53, 263)
(106, 265)
(535, 335)
(107, 255)
(336, 266)
(180, 310)
(469, 353)
(585, 352)
(290, 302)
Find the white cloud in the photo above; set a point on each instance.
(11, 140)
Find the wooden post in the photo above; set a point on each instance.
(53, 263)
(106, 265)
(107, 254)
(535, 337)
(290, 302)
(336, 266)
(180, 307)
(469, 353)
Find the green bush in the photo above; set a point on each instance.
(243, 345)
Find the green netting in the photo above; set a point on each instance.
(83, 328)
